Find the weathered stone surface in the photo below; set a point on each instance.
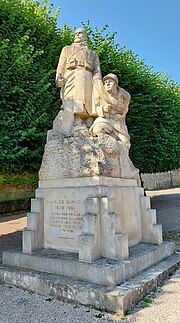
(176, 177)
(74, 152)
(157, 181)
(68, 215)
(117, 299)
(93, 216)
(103, 271)
(83, 155)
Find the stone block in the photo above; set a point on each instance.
(77, 206)
(104, 271)
(92, 205)
(151, 231)
(32, 220)
(89, 223)
(35, 227)
(145, 202)
(119, 298)
(156, 234)
(29, 241)
(88, 249)
(121, 246)
(37, 205)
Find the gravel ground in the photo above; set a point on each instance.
(165, 308)
(19, 306)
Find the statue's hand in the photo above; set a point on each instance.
(97, 82)
(107, 108)
(59, 80)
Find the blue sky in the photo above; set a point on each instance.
(150, 28)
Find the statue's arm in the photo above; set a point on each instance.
(100, 111)
(96, 69)
(61, 68)
(127, 98)
(123, 105)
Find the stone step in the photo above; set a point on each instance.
(117, 299)
(103, 271)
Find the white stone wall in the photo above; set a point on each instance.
(161, 180)
(176, 177)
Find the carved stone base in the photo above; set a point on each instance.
(95, 217)
(104, 271)
(82, 155)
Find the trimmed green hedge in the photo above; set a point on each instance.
(30, 44)
(21, 204)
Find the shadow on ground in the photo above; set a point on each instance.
(168, 211)
(10, 241)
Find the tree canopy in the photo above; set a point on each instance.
(30, 43)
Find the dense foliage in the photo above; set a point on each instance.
(154, 113)
(29, 49)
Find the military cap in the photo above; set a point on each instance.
(111, 76)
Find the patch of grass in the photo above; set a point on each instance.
(172, 235)
(16, 190)
(48, 299)
(149, 298)
(76, 306)
(99, 315)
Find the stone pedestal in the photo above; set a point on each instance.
(90, 222)
(94, 216)
(91, 235)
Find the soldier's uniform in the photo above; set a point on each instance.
(79, 66)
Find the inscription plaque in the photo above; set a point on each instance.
(63, 221)
(65, 215)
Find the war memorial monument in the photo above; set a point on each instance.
(91, 235)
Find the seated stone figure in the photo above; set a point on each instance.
(110, 126)
(111, 110)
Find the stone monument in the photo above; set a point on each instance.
(90, 220)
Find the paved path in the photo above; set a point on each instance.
(166, 306)
(167, 204)
(11, 231)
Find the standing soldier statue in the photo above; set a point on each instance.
(77, 72)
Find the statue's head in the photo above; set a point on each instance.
(110, 82)
(80, 35)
